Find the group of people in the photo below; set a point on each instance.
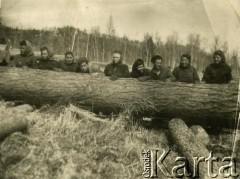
(46, 61)
(218, 72)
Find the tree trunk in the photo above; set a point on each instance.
(9, 126)
(189, 147)
(197, 103)
(17, 122)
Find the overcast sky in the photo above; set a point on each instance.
(131, 17)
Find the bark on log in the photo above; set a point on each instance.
(189, 146)
(199, 103)
(8, 126)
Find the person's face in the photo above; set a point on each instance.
(158, 64)
(84, 67)
(68, 59)
(140, 68)
(184, 62)
(23, 49)
(116, 58)
(217, 59)
(44, 54)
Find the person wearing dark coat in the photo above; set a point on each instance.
(85, 67)
(117, 69)
(26, 57)
(139, 70)
(69, 63)
(46, 61)
(218, 72)
(185, 72)
(158, 71)
(5, 55)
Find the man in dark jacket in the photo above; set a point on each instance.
(117, 69)
(218, 72)
(26, 57)
(46, 61)
(69, 63)
(158, 71)
(185, 72)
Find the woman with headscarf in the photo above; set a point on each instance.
(185, 72)
(218, 72)
(26, 57)
(46, 61)
(139, 70)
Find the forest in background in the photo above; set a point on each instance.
(98, 47)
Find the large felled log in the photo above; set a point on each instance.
(189, 147)
(194, 102)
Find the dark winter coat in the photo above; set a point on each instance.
(26, 59)
(137, 73)
(3, 62)
(49, 64)
(186, 74)
(68, 67)
(120, 70)
(217, 73)
(165, 74)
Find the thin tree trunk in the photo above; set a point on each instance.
(87, 45)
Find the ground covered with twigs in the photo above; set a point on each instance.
(61, 144)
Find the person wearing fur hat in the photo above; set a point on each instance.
(159, 72)
(218, 72)
(185, 72)
(46, 61)
(117, 69)
(26, 56)
(139, 70)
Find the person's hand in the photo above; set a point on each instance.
(57, 69)
(25, 67)
(94, 74)
(143, 78)
(168, 80)
(202, 82)
(114, 77)
(7, 48)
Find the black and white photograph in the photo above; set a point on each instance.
(119, 89)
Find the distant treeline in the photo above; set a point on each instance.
(98, 47)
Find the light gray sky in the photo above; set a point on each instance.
(131, 17)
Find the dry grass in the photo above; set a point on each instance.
(61, 145)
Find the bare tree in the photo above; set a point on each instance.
(96, 33)
(216, 43)
(234, 62)
(194, 48)
(148, 48)
(171, 46)
(87, 45)
(110, 27)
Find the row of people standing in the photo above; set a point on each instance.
(217, 72)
